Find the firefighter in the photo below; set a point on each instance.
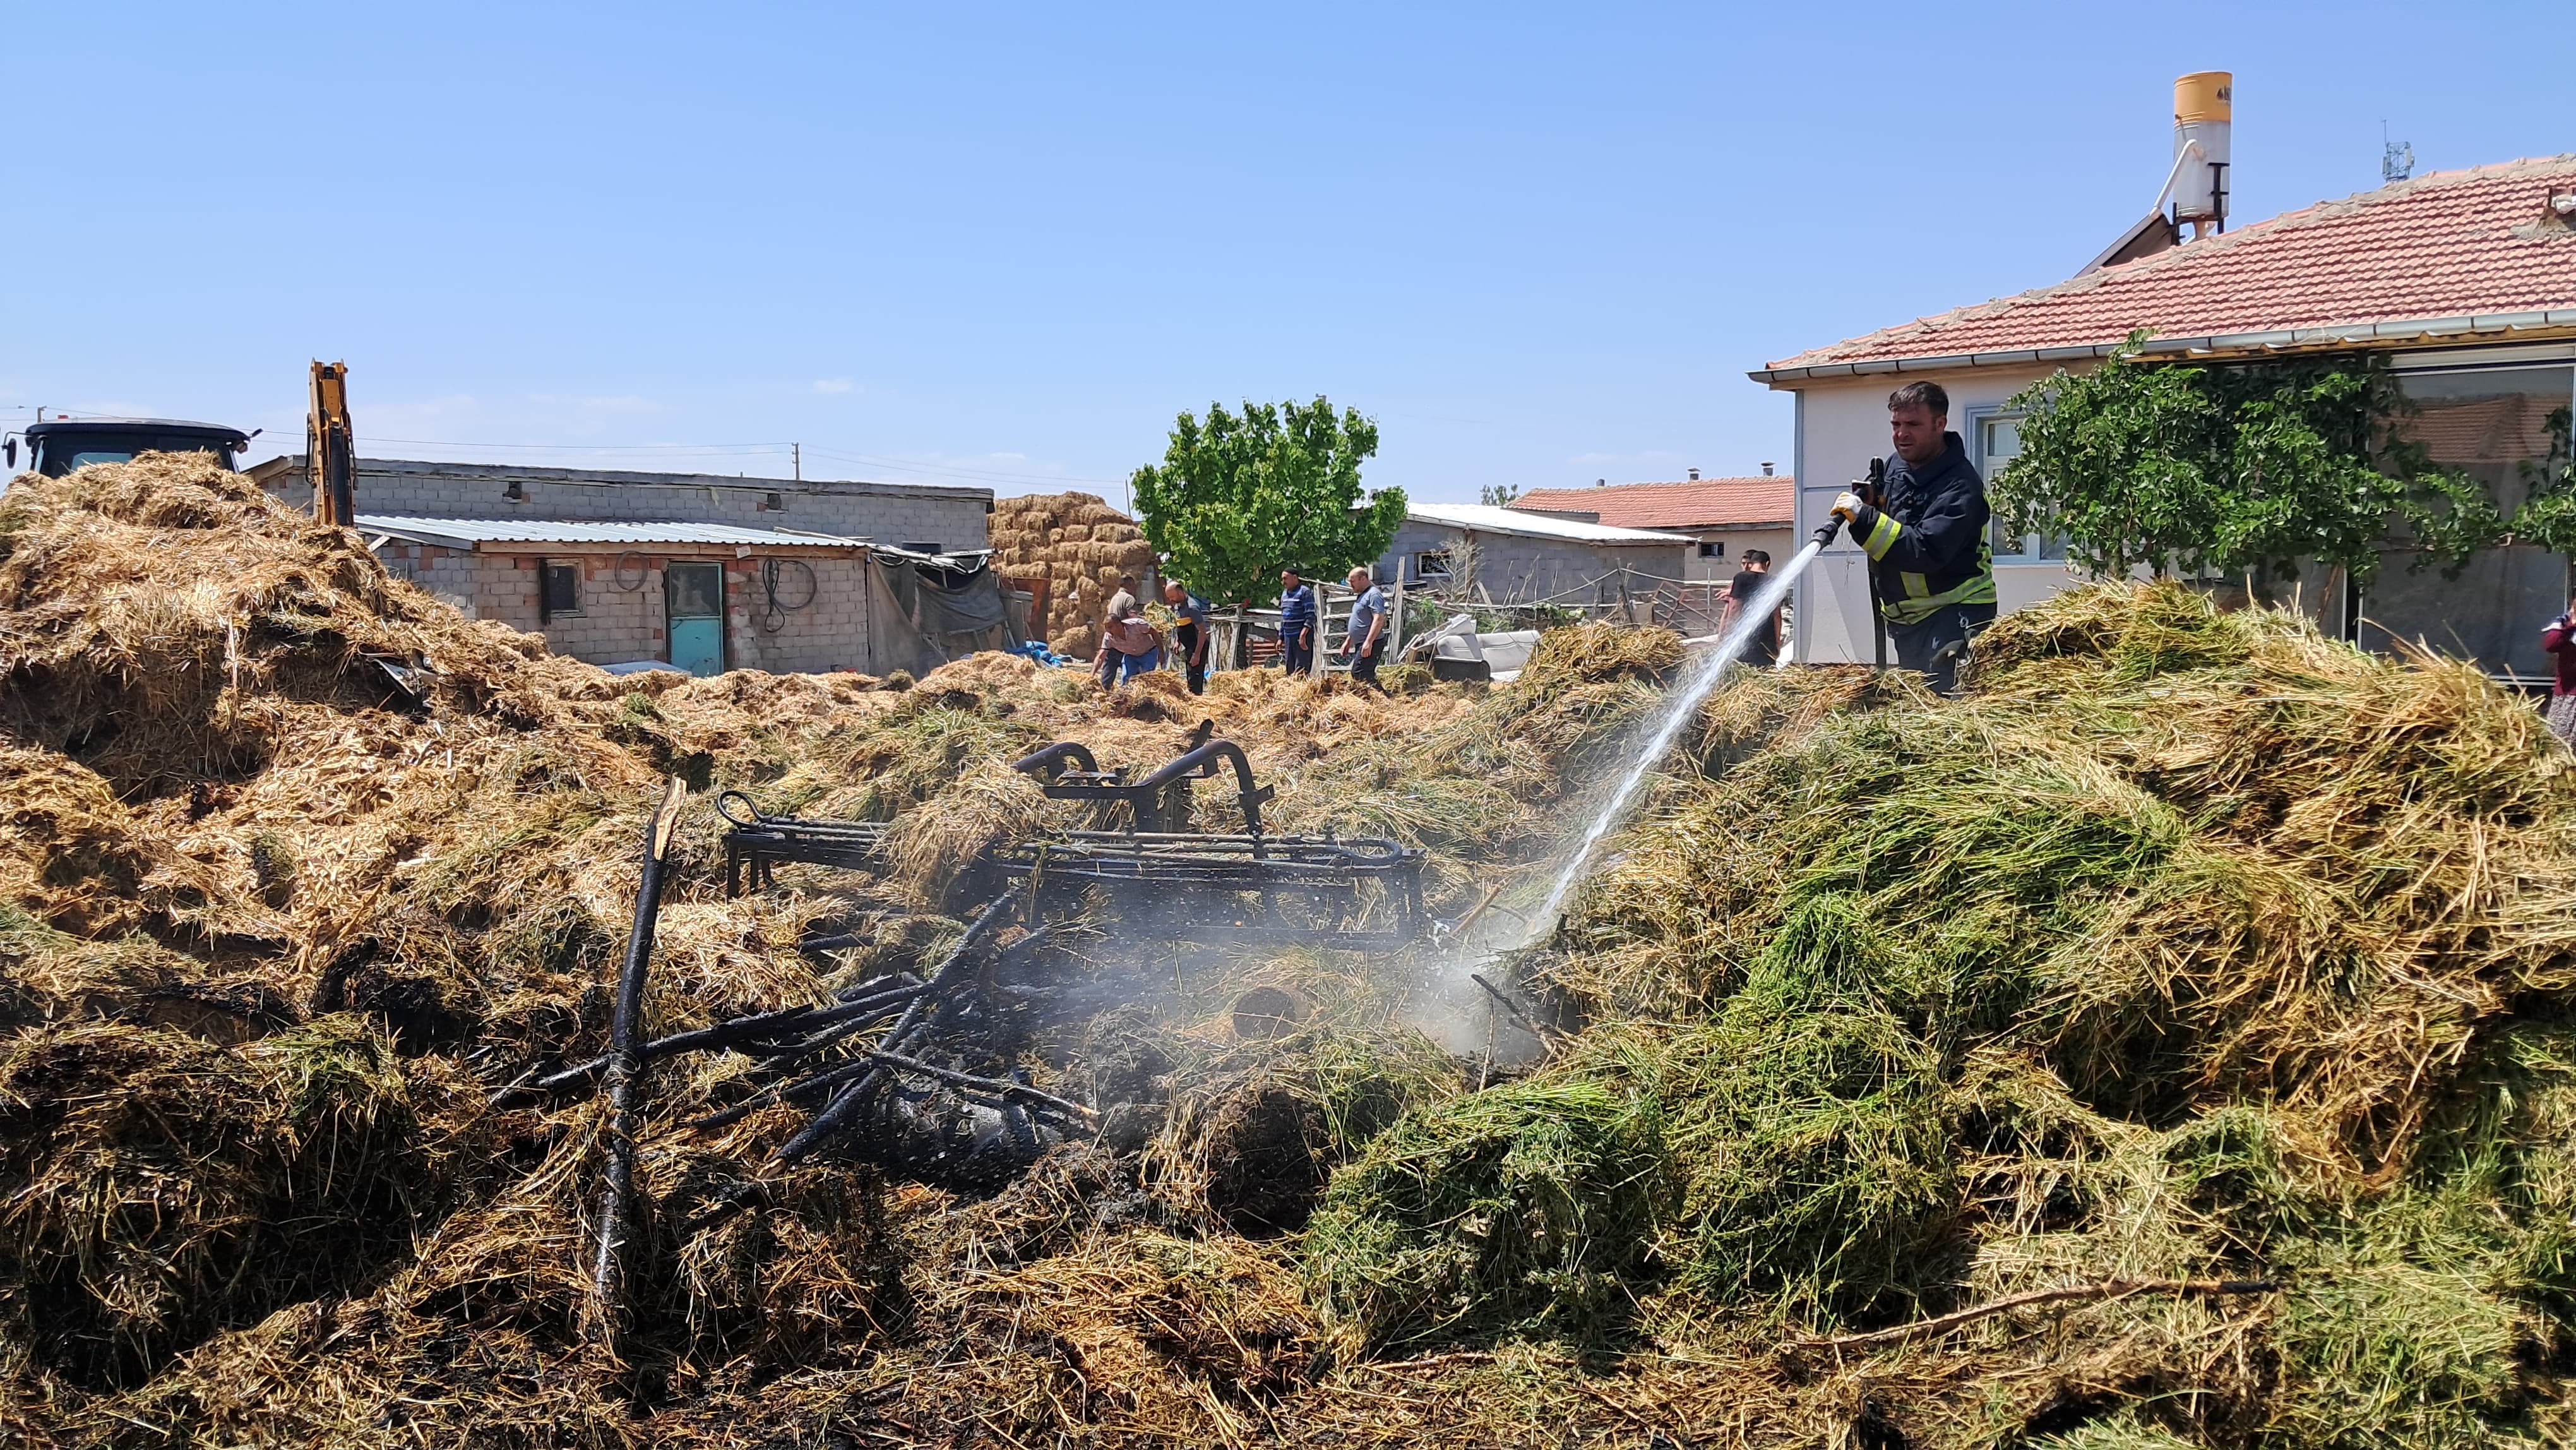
(1925, 535)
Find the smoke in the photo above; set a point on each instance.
(1445, 1001)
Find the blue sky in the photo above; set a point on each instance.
(1005, 244)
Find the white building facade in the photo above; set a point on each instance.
(2476, 315)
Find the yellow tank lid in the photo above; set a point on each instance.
(2203, 95)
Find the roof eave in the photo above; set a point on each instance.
(1626, 537)
(413, 530)
(2395, 332)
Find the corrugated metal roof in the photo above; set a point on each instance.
(1487, 519)
(563, 531)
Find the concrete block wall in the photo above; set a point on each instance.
(623, 610)
(830, 633)
(885, 513)
(447, 573)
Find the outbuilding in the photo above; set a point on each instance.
(695, 572)
(1726, 516)
(1485, 554)
(924, 518)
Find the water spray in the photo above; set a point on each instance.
(1454, 985)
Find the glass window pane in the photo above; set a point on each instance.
(2499, 426)
(1998, 442)
(563, 589)
(697, 591)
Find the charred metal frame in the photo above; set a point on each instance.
(1070, 773)
(759, 842)
(1155, 876)
(1250, 886)
(1361, 893)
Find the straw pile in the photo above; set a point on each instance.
(1080, 545)
(2190, 947)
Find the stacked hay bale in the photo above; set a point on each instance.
(1079, 545)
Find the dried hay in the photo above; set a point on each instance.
(2189, 945)
(1081, 546)
(931, 848)
(1081, 641)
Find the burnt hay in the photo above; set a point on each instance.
(2190, 945)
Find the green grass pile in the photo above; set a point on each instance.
(2190, 945)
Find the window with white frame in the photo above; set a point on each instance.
(1431, 564)
(1995, 438)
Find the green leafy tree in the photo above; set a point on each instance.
(1498, 495)
(1237, 496)
(2547, 517)
(2250, 467)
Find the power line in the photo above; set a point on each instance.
(954, 471)
(596, 447)
(935, 470)
(750, 449)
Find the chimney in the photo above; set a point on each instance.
(1766, 469)
(1694, 475)
(2204, 102)
(1598, 482)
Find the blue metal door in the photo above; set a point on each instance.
(693, 599)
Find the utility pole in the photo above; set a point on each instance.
(799, 454)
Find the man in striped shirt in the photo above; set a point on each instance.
(1296, 622)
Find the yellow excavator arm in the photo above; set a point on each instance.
(329, 451)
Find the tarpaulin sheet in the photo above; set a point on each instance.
(936, 609)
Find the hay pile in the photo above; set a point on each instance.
(1080, 545)
(2189, 947)
(270, 930)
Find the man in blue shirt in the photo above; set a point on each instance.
(1190, 636)
(1296, 623)
(1366, 640)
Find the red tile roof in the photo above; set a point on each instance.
(1697, 504)
(2449, 245)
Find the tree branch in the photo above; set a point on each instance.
(2110, 1289)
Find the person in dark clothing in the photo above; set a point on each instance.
(1296, 623)
(1190, 636)
(1763, 648)
(1925, 535)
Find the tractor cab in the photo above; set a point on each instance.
(56, 448)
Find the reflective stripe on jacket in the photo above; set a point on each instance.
(1929, 545)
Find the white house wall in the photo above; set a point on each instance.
(1775, 542)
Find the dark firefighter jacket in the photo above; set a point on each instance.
(1929, 538)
